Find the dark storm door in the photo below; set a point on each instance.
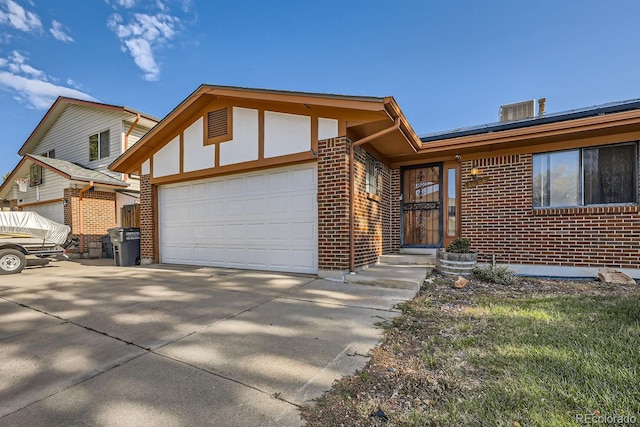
(422, 206)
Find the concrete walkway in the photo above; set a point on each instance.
(86, 344)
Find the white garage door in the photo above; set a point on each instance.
(52, 211)
(264, 220)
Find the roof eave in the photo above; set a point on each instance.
(58, 107)
(494, 139)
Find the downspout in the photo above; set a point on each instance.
(81, 216)
(352, 237)
(126, 138)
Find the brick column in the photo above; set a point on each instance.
(395, 210)
(333, 207)
(147, 222)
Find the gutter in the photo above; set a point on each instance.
(352, 238)
(81, 216)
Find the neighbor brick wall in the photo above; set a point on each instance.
(147, 224)
(499, 218)
(99, 215)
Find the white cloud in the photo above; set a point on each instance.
(13, 14)
(140, 49)
(31, 85)
(126, 3)
(58, 32)
(17, 64)
(142, 35)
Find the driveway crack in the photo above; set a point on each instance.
(88, 328)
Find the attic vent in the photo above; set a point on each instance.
(217, 123)
(518, 111)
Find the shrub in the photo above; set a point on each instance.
(460, 246)
(499, 274)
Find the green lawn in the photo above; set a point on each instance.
(541, 353)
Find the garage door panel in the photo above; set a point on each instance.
(183, 193)
(260, 220)
(257, 231)
(256, 184)
(255, 206)
(199, 190)
(201, 254)
(235, 186)
(52, 211)
(304, 179)
(302, 258)
(303, 203)
(303, 231)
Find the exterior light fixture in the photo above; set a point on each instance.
(475, 173)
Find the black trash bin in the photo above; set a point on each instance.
(126, 245)
(107, 246)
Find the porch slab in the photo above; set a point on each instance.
(391, 276)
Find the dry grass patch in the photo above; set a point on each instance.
(539, 352)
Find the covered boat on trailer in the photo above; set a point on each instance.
(28, 233)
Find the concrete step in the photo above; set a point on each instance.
(419, 251)
(391, 276)
(407, 259)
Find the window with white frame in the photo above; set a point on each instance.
(99, 146)
(35, 175)
(51, 154)
(373, 171)
(588, 176)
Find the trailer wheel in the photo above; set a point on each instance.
(12, 261)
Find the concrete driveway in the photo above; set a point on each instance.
(87, 344)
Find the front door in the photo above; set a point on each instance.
(422, 206)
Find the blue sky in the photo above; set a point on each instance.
(448, 63)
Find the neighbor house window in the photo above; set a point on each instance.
(51, 154)
(373, 171)
(588, 176)
(99, 146)
(35, 175)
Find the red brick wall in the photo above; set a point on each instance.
(395, 210)
(99, 214)
(147, 227)
(499, 218)
(333, 204)
(373, 225)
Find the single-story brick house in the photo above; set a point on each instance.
(324, 184)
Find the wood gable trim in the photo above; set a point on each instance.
(347, 110)
(234, 168)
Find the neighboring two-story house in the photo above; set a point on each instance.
(63, 173)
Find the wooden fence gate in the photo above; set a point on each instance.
(130, 216)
